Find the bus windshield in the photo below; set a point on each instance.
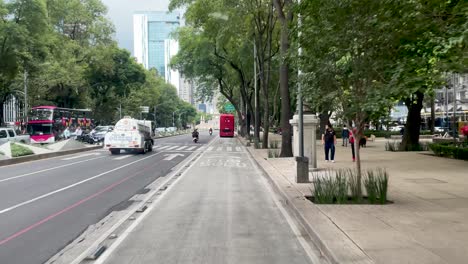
(40, 129)
(41, 114)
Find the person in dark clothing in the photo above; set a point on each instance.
(345, 136)
(329, 141)
(351, 143)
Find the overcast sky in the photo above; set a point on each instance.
(121, 14)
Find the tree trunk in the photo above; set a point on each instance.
(413, 122)
(324, 120)
(286, 142)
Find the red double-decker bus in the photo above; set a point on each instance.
(47, 123)
(226, 125)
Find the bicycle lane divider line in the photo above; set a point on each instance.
(52, 216)
(49, 169)
(71, 185)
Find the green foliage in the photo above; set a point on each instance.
(325, 187)
(450, 151)
(382, 185)
(273, 153)
(274, 144)
(332, 187)
(18, 151)
(370, 183)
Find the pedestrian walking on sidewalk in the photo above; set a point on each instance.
(351, 143)
(329, 141)
(345, 136)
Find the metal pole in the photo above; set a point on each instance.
(299, 94)
(455, 83)
(256, 133)
(155, 125)
(25, 94)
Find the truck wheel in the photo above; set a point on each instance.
(150, 147)
(115, 151)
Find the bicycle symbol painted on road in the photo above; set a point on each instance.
(220, 162)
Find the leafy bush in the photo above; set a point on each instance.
(449, 150)
(18, 151)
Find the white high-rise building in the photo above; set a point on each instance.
(153, 45)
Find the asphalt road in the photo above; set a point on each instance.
(46, 204)
(221, 210)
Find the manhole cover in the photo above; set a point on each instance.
(425, 180)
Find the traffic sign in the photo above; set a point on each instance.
(229, 107)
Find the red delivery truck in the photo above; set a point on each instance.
(226, 125)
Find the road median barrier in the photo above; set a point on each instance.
(28, 158)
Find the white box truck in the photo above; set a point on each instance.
(130, 135)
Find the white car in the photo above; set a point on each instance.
(439, 129)
(396, 128)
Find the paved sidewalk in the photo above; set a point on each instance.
(219, 211)
(428, 222)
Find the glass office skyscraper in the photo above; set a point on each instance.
(151, 30)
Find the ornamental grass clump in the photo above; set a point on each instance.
(341, 181)
(324, 188)
(382, 185)
(354, 188)
(370, 183)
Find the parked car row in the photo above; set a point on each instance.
(95, 136)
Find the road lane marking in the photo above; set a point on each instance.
(220, 149)
(238, 149)
(162, 147)
(123, 157)
(173, 147)
(229, 148)
(191, 148)
(181, 148)
(49, 169)
(52, 216)
(71, 185)
(81, 156)
(172, 156)
(210, 148)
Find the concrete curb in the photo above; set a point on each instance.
(295, 203)
(45, 156)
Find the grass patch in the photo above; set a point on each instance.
(19, 151)
(342, 187)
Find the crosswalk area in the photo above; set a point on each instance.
(190, 148)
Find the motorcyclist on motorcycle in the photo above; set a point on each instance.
(211, 131)
(195, 135)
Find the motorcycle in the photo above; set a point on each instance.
(211, 132)
(195, 137)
